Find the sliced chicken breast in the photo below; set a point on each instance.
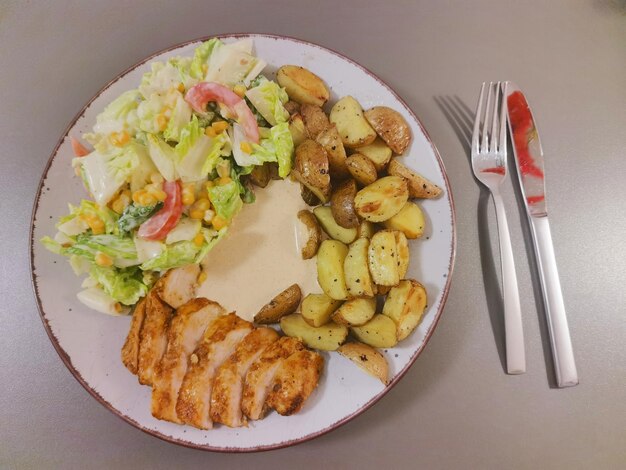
(294, 382)
(130, 350)
(178, 285)
(153, 336)
(228, 383)
(186, 329)
(261, 375)
(218, 343)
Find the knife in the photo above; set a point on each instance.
(530, 170)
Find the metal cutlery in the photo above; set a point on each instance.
(489, 163)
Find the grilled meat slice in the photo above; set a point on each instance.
(294, 382)
(153, 336)
(178, 285)
(130, 350)
(186, 329)
(261, 374)
(228, 383)
(218, 343)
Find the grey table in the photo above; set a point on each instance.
(455, 408)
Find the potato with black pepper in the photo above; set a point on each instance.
(302, 85)
(405, 305)
(342, 204)
(309, 234)
(410, 221)
(355, 312)
(382, 199)
(379, 332)
(391, 126)
(317, 309)
(330, 275)
(330, 140)
(335, 231)
(362, 169)
(311, 168)
(356, 270)
(419, 186)
(283, 304)
(378, 152)
(367, 358)
(327, 337)
(353, 128)
(383, 258)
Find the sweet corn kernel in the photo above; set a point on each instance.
(161, 120)
(121, 202)
(219, 222)
(208, 216)
(181, 87)
(156, 178)
(119, 139)
(219, 126)
(159, 195)
(95, 224)
(240, 90)
(137, 194)
(201, 205)
(198, 240)
(102, 259)
(245, 147)
(196, 214)
(202, 277)
(209, 184)
(189, 194)
(210, 132)
(224, 180)
(118, 307)
(205, 67)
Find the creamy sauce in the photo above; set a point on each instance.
(259, 256)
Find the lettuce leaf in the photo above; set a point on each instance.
(277, 148)
(181, 115)
(226, 199)
(120, 114)
(123, 285)
(268, 98)
(201, 57)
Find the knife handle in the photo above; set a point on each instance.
(560, 340)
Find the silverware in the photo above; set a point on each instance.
(529, 161)
(489, 165)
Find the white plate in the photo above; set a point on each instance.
(89, 343)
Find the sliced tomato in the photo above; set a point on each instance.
(79, 149)
(199, 95)
(159, 225)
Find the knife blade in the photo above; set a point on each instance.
(529, 161)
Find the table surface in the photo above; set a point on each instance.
(456, 408)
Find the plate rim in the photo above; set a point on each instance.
(67, 360)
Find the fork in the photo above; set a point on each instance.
(489, 157)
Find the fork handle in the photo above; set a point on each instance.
(514, 332)
(560, 340)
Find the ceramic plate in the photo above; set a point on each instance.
(89, 343)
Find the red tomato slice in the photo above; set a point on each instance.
(199, 95)
(159, 225)
(79, 149)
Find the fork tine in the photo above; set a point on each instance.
(503, 111)
(494, 119)
(479, 111)
(485, 146)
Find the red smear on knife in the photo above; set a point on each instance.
(534, 199)
(523, 131)
(499, 170)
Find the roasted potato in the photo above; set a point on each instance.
(273, 170)
(353, 128)
(327, 338)
(302, 85)
(308, 196)
(390, 126)
(309, 234)
(330, 276)
(362, 169)
(378, 153)
(418, 185)
(332, 228)
(366, 229)
(383, 258)
(379, 332)
(283, 304)
(355, 312)
(356, 270)
(330, 140)
(367, 358)
(311, 168)
(405, 305)
(260, 176)
(382, 199)
(317, 309)
(410, 221)
(297, 129)
(383, 290)
(315, 120)
(403, 254)
(292, 107)
(342, 204)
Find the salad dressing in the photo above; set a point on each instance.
(259, 256)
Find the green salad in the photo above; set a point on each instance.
(166, 165)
